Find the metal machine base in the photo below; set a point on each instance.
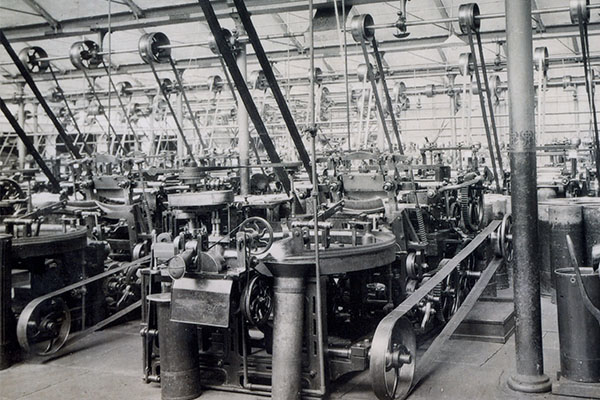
(566, 387)
(491, 320)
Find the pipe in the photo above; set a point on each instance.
(529, 376)
(315, 195)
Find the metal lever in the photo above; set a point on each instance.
(586, 299)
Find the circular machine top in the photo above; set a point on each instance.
(340, 257)
(208, 198)
(49, 242)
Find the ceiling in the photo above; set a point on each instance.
(421, 58)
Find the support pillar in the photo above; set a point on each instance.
(529, 376)
(242, 118)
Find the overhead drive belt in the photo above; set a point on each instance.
(123, 109)
(362, 32)
(27, 76)
(580, 14)
(468, 17)
(242, 88)
(244, 16)
(388, 328)
(61, 93)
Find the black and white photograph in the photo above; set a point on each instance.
(299, 200)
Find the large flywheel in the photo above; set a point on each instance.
(393, 359)
(43, 327)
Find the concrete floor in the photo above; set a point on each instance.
(107, 365)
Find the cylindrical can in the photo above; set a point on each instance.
(544, 229)
(179, 358)
(591, 229)
(287, 337)
(565, 219)
(578, 330)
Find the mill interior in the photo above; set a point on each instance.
(344, 199)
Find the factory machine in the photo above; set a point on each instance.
(278, 286)
(71, 253)
(233, 279)
(259, 297)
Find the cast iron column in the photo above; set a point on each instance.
(529, 376)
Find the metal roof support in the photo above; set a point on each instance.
(53, 22)
(137, 11)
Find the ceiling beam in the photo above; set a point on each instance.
(135, 9)
(444, 14)
(541, 27)
(286, 29)
(158, 16)
(20, 11)
(53, 22)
